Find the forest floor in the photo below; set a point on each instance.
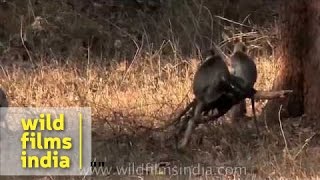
(86, 43)
(129, 102)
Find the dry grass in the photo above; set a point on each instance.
(154, 87)
(147, 93)
(149, 87)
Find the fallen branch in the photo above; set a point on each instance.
(260, 95)
(170, 129)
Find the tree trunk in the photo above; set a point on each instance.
(312, 63)
(299, 60)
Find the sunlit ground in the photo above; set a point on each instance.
(148, 93)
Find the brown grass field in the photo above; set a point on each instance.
(128, 101)
(136, 71)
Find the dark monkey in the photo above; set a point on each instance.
(212, 88)
(245, 74)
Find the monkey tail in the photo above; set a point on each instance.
(254, 115)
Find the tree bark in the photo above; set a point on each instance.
(312, 63)
(299, 60)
